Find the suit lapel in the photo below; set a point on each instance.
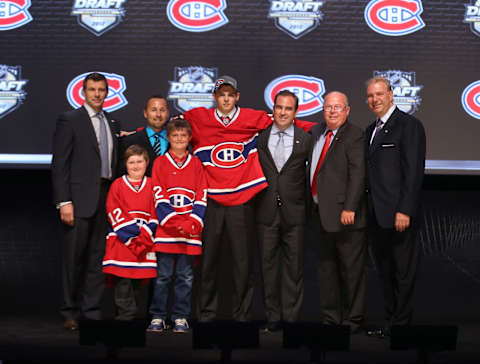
(297, 140)
(384, 132)
(263, 144)
(90, 130)
(337, 138)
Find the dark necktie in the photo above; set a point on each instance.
(225, 120)
(378, 127)
(320, 160)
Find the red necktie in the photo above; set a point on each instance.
(320, 160)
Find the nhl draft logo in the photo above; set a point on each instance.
(98, 16)
(12, 88)
(14, 13)
(296, 17)
(472, 16)
(394, 17)
(405, 89)
(197, 15)
(308, 89)
(192, 87)
(471, 99)
(115, 99)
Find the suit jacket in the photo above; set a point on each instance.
(76, 164)
(140, 138)
(289, 184)
(341, 178)
(395, 167)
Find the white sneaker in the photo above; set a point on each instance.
(157, 325)
(181, 325)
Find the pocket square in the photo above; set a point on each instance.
(388, 145)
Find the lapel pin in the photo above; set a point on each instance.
(297, 141)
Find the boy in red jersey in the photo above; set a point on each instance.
(128, 254)
(180, 198)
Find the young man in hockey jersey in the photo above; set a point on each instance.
(128, 253)
(180, 198)
(224, 139)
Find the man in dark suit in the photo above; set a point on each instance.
(153, 137)
(283, 151)
(84, 161)
(395, 163)
(337, 178)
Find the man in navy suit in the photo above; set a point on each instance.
(153, 137)
(84, 163)
(395, 162)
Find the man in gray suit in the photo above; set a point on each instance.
(283, 151)
(337, 178)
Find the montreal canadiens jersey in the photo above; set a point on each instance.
(228, 151)
(131, 222)
(180, 192)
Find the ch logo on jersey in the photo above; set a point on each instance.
(192, 87)
(405, 90)
(12, 89)
(228, 155)
(472, 16)
(308, 89)
(115, 99)
(471, 99)
(197, 15)
(181, 199)
(394, 17)
(14, 13)
(98, 16)
(296, 17)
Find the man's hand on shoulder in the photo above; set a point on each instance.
(66, 214)
(402, 222)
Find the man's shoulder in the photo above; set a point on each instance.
(75, 113)
(299, 132)
(135, 138)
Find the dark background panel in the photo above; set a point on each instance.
(145, 48)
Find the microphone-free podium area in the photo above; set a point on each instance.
(425, 339)
(225, 335)
(114, 334)
(316, 337)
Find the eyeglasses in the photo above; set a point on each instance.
(333, 108)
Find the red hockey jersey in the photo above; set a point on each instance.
(228, 151)
(128, 252)
(180, 195)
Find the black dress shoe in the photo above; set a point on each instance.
(272, 326)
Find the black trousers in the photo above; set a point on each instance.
(238, 221)
(341, 276)
(126, 296)
(281, 256)
(397, 257)
(82, 251)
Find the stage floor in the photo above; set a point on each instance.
(40, 339)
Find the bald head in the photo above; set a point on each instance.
(335, 109)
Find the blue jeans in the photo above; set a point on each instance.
(169, 265)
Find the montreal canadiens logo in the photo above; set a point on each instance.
(308, 89)
(14, 13)
(181, 199)
(197, 15)
(115, 99)
(471, 99)
(394, 17)
(228, 155)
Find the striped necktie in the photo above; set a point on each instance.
(157, 146)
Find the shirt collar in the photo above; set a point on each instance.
(151, 132)
(387, 115)
(288, 131)
(90, 110)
